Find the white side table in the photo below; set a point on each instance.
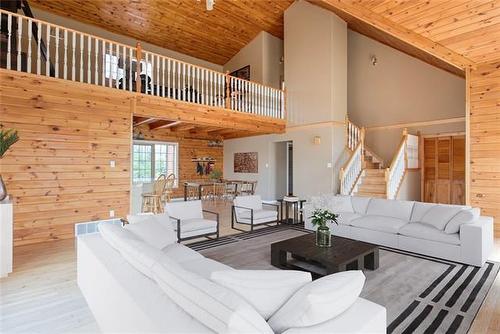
(6, 234)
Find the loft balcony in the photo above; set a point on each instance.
(167, 92)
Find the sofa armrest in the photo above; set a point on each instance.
(476, 241)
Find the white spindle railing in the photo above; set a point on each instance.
(353, 135)
(350, 172)
(395, 173)
(68, 54)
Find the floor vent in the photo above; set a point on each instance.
(91, 227)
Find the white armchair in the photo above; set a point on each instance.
(189, 220)
(250, 210)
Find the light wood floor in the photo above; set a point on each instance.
(41, 294)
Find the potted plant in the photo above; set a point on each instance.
(215, 175)
(319, 218)
(7, 139)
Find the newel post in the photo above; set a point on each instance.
(138, 67)
(228, 91)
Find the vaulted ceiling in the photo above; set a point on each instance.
(449, 34)
(180, 25)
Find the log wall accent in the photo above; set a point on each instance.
(485, 140)
(188, 149)
(59, 172)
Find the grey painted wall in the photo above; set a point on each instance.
(315, 77)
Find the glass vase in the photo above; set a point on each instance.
(323, 237)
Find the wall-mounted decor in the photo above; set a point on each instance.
(204, 165)
(247, 162)
(242, 73)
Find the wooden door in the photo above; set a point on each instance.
(444, 170)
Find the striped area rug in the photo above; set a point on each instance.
(421, 294)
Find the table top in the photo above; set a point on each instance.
(341, 251)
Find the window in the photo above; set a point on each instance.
(151, 159)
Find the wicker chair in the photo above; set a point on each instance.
(169, 188)
(152, 202)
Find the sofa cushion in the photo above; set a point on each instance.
(340, 204)
(259, 214)
(390, 208)
(251, 202)
(135, 251)
(419, 210)
(345, 218)
(213, 305)
(265, 290)
(439, 215)
(153, 232)
(465, 216)
(319, 301)
(379, 223)
(204, 267)
(360, 204)
(335, 203)
(180, 253)
(184, 210)
(196, 224)
(428, 232)
(163, 218)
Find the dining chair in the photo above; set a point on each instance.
(169, 188)
(152, 202)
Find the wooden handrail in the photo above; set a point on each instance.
(400, 147)
(351, 158)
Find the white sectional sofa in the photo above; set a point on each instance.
(131, 286)
(452, 232)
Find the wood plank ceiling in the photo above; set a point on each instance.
(181, 25)
(446, 34)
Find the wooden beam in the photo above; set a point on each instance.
(143, 120)
(161, 124)
(183, 127)
(357, 11)
(168, 109)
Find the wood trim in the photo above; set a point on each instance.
(315, 125)
(444, 134)
(467, 136)
(416, 124)
(396, 30)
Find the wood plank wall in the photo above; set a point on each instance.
(59, 172)
(188, 149)
(485, 140)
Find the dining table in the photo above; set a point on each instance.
(208, 183)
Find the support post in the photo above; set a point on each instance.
(228, 91)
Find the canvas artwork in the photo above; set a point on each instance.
(247, 162)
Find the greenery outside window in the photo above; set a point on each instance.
(151, 159)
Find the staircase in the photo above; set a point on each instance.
(364, 173)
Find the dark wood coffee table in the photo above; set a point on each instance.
(345, 254)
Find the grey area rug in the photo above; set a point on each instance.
(421, 294)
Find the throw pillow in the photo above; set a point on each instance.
(340, 204)
(439, 215)
(265, 290)
(466, 216)
(213, 305)
(163, 218)
(319, 301)
(153, 232)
